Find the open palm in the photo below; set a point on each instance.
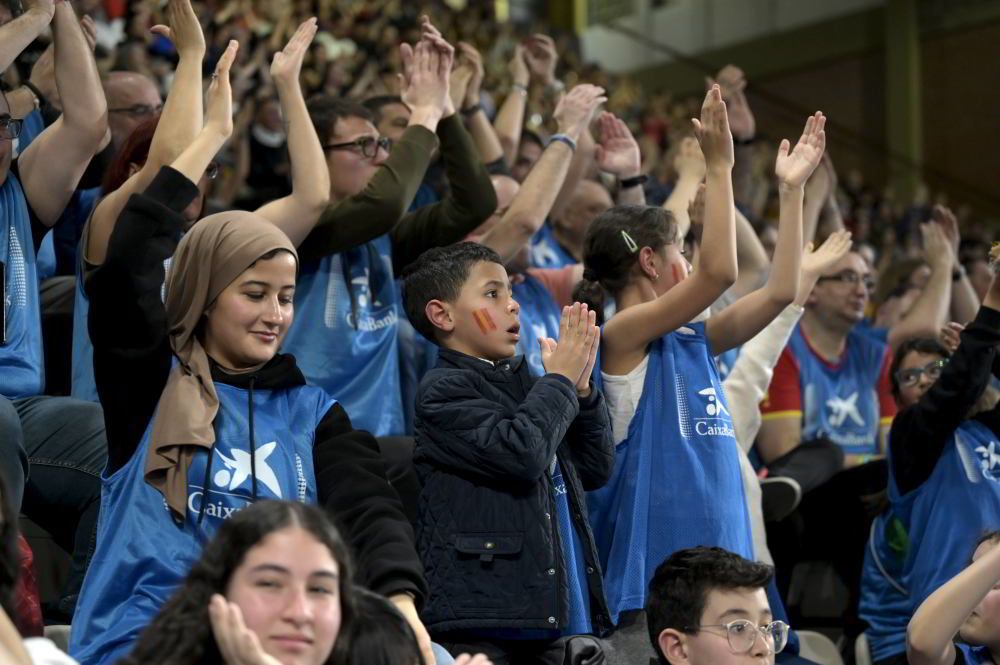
(818, 261)
(794, 167)
(287, 62)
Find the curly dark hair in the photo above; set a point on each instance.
(181, 634)
(608, 257)
(681, 584)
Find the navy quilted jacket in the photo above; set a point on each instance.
(487, 529)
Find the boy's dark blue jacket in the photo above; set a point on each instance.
(487, 530)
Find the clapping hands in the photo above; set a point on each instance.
(793, 167)
(574, 355)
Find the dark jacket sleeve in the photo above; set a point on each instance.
(470, 201)
(127, 320)
(352, 487)
(919, 432)
(379, 207)
(591, 442)
(458, 428)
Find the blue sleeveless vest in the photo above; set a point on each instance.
(143, 555)
(21, 365)
(546, 252)
(975, 655)
(677, 481)
(841, 403)
(928, 535)
(539, 318)
(344, 337)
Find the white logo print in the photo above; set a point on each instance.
(844, 408)
(990, 458)
(238, 469)
(714, 407)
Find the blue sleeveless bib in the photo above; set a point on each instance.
(344, 337)
(21, 365)
(546, 252)
(143, 554)
(928, 534)
(677, 481)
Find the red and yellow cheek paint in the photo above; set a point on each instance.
(484, 320)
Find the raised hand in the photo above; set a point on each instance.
(794, 167)
(518, 66)
(618, 151)
(571, 355)
(423, 85)
(696, 212)
(575, 110)
(458, 84)
(583, 385)
(945, 218)
(89, 31)
(219, 106)
(733, 83)
(818, 261)
(540, 54)
(713, 132)
(950, 336)
(470, 58)
(287, 63)
(183, 29)
(937, 251)
(238, 644)
(44, 7)
(689, 160)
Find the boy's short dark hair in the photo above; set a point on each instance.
(440, 274)
(681, 584)
(326, 110)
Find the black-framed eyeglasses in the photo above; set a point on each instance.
(742, 634)
(10, 128)
(139, 110)
(852, 278)
(367, 146)
(911, 377)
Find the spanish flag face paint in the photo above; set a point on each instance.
(484, 320)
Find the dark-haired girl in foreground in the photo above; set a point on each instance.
(204, 416)
(272, 587)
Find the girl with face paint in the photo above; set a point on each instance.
(205, 416)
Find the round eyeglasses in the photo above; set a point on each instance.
(911, 377)
(742, 634)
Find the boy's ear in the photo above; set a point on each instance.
(673, 646)
(439, 314)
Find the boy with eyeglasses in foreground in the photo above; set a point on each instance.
(708, 606)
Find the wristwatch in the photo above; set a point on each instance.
(634, 181)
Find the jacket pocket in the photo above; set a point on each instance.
(486, 546)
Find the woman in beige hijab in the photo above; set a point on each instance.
(204, 415)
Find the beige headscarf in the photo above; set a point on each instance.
(208, 258)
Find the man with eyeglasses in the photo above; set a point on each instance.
(345, 336)
(824, 421)
(708, 606)
(52, 449)
(944, 470)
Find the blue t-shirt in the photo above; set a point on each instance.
(574, 563)
(142, 554)
(677, 481)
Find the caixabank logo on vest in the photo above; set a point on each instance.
(710, 416)
(981, 460)
(229, 491)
